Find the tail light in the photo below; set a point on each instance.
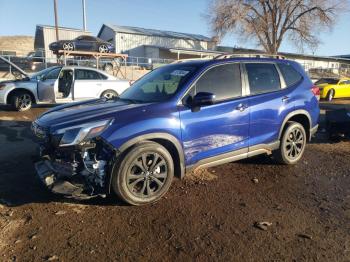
(316, 91)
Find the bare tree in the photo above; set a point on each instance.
(270, 22)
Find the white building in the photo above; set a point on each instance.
(127, 38)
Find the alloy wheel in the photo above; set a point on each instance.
(68, 46)
(295, 143)
(24, 102)
(109, 95)
(147, 175)
(103, 49)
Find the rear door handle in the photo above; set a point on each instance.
(241, 107)
(285, 98)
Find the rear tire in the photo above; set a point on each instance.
(21, 101)
(103, 49)
(144, 174)
(109, 94)
(330, 95)
(292, 144)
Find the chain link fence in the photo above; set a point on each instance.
(133, 67)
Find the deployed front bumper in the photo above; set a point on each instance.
(62, 182)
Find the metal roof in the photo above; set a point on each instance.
(175, 49)
(62, 28)
(154, 32)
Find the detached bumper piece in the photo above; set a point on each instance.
(61, 179)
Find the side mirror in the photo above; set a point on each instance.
(203, 99)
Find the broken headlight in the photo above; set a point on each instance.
(76, 134)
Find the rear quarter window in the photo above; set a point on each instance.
(290, 75)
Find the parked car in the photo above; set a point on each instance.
(83, 43)
(333, 88)
(177, 118)
(60, 85)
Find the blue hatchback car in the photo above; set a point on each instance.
(178, 117)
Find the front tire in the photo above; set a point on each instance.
(144, 174)
(330, 95)
(68, 46)
(21, 101)
(292, 144)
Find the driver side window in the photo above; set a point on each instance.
(53, 74)
(224, 81)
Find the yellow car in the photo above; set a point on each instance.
(333, 88)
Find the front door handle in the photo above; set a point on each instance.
(241, 107)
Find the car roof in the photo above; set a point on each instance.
(80, 67)
(235, 59)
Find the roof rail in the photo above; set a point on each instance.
(189, 59)
(255, 55)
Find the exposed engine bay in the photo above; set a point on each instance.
(78, 171)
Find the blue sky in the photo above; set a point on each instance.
(19, 17)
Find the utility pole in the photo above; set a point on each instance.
(56, 19)
(84, 15)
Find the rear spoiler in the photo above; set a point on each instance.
(14, 65)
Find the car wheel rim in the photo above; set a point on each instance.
(109, 95)
(294, 143)
(103, 49)
(68, 46)
(147, 175)
(24, 101)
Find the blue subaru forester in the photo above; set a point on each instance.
(178, 117)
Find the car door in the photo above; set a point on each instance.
(87, 84)
(47, 84)
(64, 87)
(219, 128)
(269, 102)
(343, 89)
(86, 43)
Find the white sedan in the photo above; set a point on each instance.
(60, 85)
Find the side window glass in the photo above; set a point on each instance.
(82, 74)
(263, 78)
(290, 75)
(53, 74)
(223, 81)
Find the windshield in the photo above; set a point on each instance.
(330, 81)
(39, 75)
(160, 84)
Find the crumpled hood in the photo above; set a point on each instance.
(83, 112)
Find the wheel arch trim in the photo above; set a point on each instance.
(292, 114)
(18, 89)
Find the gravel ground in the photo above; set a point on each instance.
(211, 215)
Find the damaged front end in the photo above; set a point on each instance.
(74, 161)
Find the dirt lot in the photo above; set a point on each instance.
(207, 217)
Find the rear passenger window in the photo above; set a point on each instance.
(83, 74)
(223, 81)
(263, 78)
(290, 75)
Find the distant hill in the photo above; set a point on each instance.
(22, 45)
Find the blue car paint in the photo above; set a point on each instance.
(212, 131)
